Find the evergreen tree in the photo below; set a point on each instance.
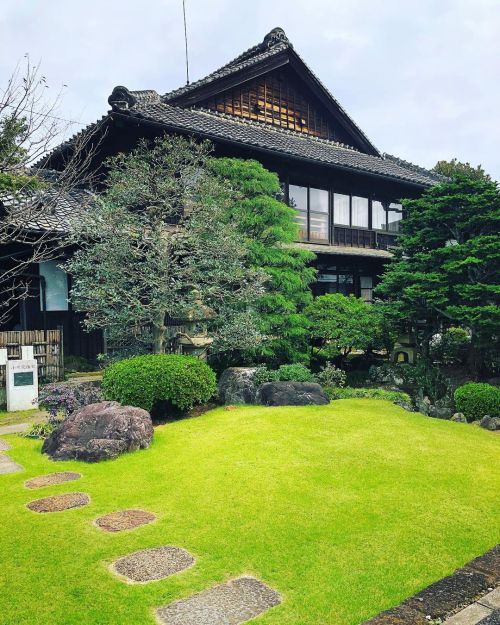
(446, 269)
(269, 227)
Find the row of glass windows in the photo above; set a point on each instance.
(353, 211)
(340, 280)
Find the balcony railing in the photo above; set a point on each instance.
(354, 237)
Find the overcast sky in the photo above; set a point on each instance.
(420, 77)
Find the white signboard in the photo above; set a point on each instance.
(22, 385)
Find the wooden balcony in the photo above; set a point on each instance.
(357, 237)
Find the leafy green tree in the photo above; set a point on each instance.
(342, 323)
(269, 228)
(453, 167)
(156, 245)
(446, 268)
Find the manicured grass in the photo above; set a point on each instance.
(344, 509)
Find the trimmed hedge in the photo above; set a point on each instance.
(144, 381)
(477, 399)
(397, 397)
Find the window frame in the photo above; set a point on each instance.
(308, 211)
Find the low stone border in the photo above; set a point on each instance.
(58, 503)
(123, 520)
(149, 565)
(447, 596)
(238, 601)
(41, 481)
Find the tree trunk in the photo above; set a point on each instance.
(159, 336)
(475, 361)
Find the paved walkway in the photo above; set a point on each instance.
(488, 607)
(14, 429)
(7, 465)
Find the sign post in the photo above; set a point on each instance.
(22, 385)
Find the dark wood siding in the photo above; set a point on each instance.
(280, 99)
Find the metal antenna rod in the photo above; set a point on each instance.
(186, 41)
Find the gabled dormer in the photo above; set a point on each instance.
(270, 83)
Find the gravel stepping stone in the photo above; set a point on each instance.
(236, 602)
(50, 480)
(58, 503)
(7, 465)
(124, 520)
(149, 565)
(14, 429)
(4, 445)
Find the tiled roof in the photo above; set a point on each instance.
(273, 43)
(47, 209)
(221, 127)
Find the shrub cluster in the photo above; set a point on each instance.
(477, 399)
(331, 376)
(397, 397)
(144, 381)
(60, 399)
(285, 373)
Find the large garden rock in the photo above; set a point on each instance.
(99, 432)
(236, 386)
(490, 423)
(291, 394)
(440, 409)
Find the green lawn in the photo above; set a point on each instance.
(344, 509)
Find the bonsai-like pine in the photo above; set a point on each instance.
(157, 246)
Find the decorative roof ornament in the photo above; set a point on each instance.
(275, 36)
(121, 98)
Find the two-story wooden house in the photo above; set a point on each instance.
(268, 105)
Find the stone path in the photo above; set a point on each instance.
(237, 601)
(58, 503)
(14, 429)
(150, 565)
(7, 465)
(52, 479)
(470, 596)
(124, 520)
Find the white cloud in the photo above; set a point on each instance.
(420, 77)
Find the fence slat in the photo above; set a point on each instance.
(47, 348)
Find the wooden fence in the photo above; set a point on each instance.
(47, 350)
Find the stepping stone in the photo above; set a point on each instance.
(7, 465)
(124, 520)
(58, 503)
(237, 601)
(149, 565)
(50, 480)
(4, 445)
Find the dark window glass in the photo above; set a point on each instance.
(341, 204)
(360, 211)
(394, 216)
(379, 216)
(345, 284)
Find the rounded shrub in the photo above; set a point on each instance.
(477, 399)
(295, 373)
(146, 381)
